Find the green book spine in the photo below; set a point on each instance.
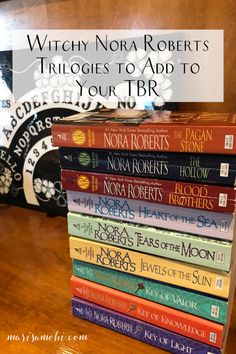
(187, 301)
(188, 248)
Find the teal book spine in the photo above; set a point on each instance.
(188, 301)
(159, 242)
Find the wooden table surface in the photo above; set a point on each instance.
(35, 296)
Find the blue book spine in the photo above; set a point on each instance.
(142, 331)
(198, 304)
(193, 221)
(200, 168)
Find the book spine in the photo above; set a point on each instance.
(210, 224)
(173, 138)
(172, 272)
(145, 310)
(144, 332)
(188, 195)
(201, 168)
(173, 245)
(186, 301)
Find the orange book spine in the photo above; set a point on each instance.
(218, 139)
(176, 321)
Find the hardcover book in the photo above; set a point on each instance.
(153, 335)
(192, 302)
(173, 320)
(201, 279)
(210, 224)
(159, 242)
(188, 195)
(201, 168)
(148, 131)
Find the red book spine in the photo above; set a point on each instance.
(148, 137)
(176, 321)
(188, 195)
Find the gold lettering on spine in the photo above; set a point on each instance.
(191, 196)
(195, 139)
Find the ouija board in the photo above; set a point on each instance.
(29, 167)
(29, 164)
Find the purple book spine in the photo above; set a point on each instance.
(210, 224)
(139, 330)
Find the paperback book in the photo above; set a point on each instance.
(201, 168)
(192, 302)
(188, 195)
(193, 221)
(173, 320)
(153, 335)
(148, 131)
(169, 244)
(188, 276)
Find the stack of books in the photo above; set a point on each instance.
(151, 221)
